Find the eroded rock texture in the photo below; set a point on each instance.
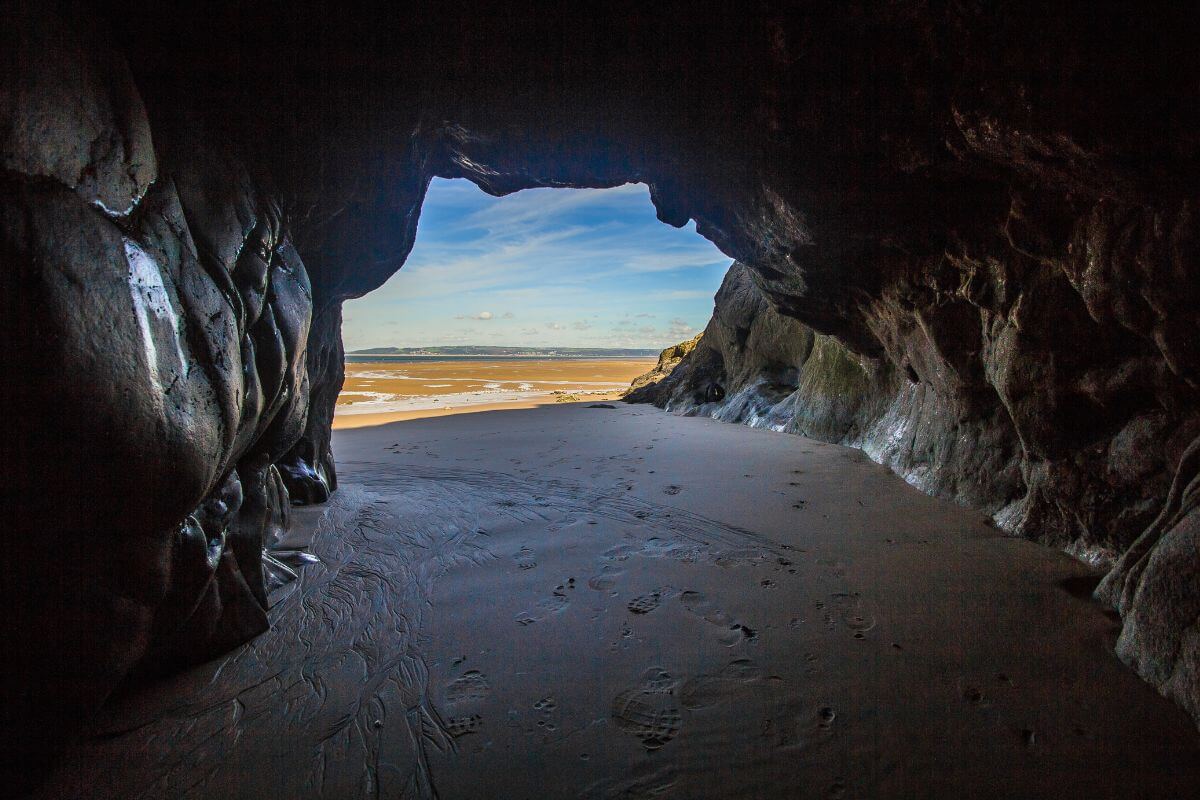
(968, 236)
(155, 317)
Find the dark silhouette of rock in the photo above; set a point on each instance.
(155, 316)
(966, 238)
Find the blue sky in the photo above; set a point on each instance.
(565, 267)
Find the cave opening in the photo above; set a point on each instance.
(544, 295)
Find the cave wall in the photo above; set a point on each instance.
(155, 318)
(966, 236)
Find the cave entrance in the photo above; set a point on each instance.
(541, 296)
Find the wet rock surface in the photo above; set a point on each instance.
(967, 233)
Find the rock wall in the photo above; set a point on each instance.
(967, 233)
(155, 315)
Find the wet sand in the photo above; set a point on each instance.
(577, 602)
(377, 392)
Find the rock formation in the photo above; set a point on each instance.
(966, 232)
(155, 315)
(641, 386)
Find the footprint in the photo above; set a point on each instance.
(646, 603)
(554, 603)
(704, 691)
(731, 633)
(710, 690)
(606, 579)
(621, 552)
(473, 685)
(545, 705)
(659, 680)
(649, 711)
(461, 726)
(740, 557)
(524, 558)
(543, 608)
(704, 608)
(672, 490)
(741, 669)
(737, 634)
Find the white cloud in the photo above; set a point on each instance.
(482, 315)
(554, 326)
(680, 329)
(665, 262)
(681, 294)
(581, 325)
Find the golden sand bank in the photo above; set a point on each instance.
(382, 391)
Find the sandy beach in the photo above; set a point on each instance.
(575, 602)
(383, 391)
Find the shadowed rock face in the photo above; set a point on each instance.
(967, 234)
(155, 317)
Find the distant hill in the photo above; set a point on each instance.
(499, 352)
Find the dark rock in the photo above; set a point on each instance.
(155, 315)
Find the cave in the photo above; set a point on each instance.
(961, 236)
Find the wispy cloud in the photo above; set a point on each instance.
(680, 329)
(545, 255)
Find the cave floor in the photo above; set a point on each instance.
(581, 602)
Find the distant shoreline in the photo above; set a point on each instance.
(367, 358)
(380, 388)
